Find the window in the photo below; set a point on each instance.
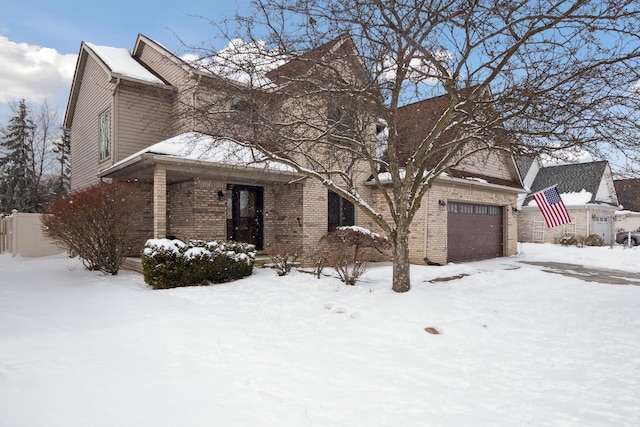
(340, 122)
(238, 105)
(341, 212)
(104, 142)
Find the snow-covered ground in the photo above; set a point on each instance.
(518, 346)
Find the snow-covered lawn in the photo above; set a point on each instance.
(518, 346)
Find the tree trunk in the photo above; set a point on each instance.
(401, 267)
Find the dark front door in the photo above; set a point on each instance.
(244, 214)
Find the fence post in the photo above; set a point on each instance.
(14, 232)
(3, 233)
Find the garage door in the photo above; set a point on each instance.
(473, 231)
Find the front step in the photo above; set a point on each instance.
(261, 261)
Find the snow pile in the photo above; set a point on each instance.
(518, 346)
(243, 62)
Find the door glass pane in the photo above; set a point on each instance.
(247, 204)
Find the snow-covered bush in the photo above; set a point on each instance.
(95, 223)
(594, 240)
(568, 240)
(173, 263)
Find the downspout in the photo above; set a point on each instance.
(426, 234)
(586, 212)
(194, 101)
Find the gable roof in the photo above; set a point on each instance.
(117, 63)
(416, 120)
(628, 191)
(120, 63)
(571, 178)
(340, 47)
(303, 63)
(524, 163)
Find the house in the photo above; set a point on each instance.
(628, 191)
(127, 122)
(587, 190)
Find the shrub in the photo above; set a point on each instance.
(351, 268)
(568, 240)
(96, 223)
(283, 263)
(173, 263)
(594, 240)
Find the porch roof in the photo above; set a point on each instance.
(192, 154)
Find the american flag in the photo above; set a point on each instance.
(553, 209)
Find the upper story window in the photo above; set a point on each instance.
(341, 212)
(238, 105)
(340, 122)
(104, 138)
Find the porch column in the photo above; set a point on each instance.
(159, 202)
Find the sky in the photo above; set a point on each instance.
(40, 39)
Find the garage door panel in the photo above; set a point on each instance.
(474, 231)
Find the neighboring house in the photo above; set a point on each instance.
(124, 127)
(628, 190)
(587, 190)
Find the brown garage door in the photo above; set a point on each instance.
(474, 231)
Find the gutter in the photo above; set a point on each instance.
(444, 179)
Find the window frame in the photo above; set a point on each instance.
(340, 211)
(104, 135)
(340, 123)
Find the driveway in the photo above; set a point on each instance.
(588, 274)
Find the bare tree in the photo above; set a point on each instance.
(524, 76)
(47, 126)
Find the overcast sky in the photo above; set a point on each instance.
(40, 39)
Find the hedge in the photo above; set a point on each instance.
(173, 263)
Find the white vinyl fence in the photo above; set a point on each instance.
(21, 233)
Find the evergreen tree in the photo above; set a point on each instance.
(62, 149)
(18, 177)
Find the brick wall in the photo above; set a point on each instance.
(180, 217)
(143, 228)
(210, 213)
(194, 210)
(283, 222)
(314, 217)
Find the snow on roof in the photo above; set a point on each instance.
(571, 199)
(243, 62)
(120, 61)
(199, 147)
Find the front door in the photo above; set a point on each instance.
(244, 214)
